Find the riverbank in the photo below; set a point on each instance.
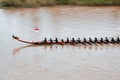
(37, 3)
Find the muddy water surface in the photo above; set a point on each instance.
(19, 61)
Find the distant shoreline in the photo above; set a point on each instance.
(38, 3)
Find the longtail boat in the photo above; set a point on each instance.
(72, 41)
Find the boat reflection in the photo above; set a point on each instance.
(81, 47)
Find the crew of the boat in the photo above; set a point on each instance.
(85, 41)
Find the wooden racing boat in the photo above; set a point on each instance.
(72, 41)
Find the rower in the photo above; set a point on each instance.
(45, 39)
(62, 40)
(90, 40)
(56, 40)
(118, 39)
(73, 40)
(51, 41)
(84, 40)
(113, 40)
(107, 40)
(68, 40)
(79, 41)
(101, 40)
(96, 40)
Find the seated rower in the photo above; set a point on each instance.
(56, 40)
(62, 40)
(107, 40)
(45, 40)
(73, 40)
(90, 40)
(84, 40)
(113, 40)
(118, 39)
(68, 40)
(79, 41)
(51, 41)
(101, 40)
(96, 40)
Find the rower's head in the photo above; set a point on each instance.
(106, 38)
(101, 38)
(62, 40)
(45, 38)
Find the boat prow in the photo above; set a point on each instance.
(15, 37)
(18, 39)
(37, 42)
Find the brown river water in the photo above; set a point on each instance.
(20, 61)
